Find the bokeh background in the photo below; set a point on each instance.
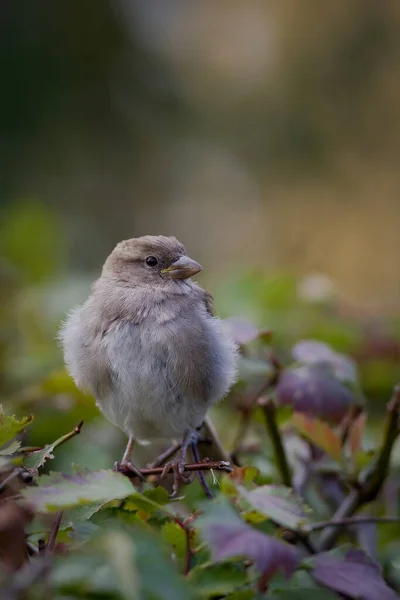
(263, 134)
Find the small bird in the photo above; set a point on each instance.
(147, 345)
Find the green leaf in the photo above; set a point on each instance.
(158, 577)
(304, 594)
(30, 239)
(242, 595)
(11, 448)
(174, 536)
(218, 579)
(148, 502)
(10, 426)
(278, 503)
(59, 491)
(36, 459)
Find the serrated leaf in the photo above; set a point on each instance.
(82, 512)
(320, 434)
(11, 448)
(174, 536)
(229, 537)
(280, 504)
(60, 491)
(355, 576)
(219, 579)
(36, 459)
(10, 426)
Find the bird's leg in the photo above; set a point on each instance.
(177, 464)
(126, 464)
(161, 458)
(194, 445)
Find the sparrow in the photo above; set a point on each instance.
(147, 345)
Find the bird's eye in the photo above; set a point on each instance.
(151, 261)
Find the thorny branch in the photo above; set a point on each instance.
(269, 409)
(203, 465)
(246, 412)
(53, 533)
(371, 480)
(347, 521)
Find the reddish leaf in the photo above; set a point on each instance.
(314, 390)
(229, 537)
(320, 434)
(356, 433)
(355, 576)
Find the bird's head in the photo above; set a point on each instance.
(149, 260)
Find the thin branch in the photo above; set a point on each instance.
(246, 413)
(15, 473)
(204, 465)
(196, 457)
(53, 533)
(213, 438)
(347, 521)
(189, 552)
(34, 570)
(269, 409)
(372, 479)
(76, 430)
(348, 421)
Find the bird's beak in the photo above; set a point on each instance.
(183, 268)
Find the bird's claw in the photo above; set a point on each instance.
(178, 468)
(127, 467)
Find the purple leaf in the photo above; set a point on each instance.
(355, 576)
(313, 390)
(242, 331)
(229, 537)
(312, 352)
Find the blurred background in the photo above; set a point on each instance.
(265, 135)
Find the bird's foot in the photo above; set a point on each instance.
(128, 468)
(177, 466)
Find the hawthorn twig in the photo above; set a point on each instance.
(347, 521)
(14, 473)
(269, 409)
(246, 413)
(76, 430)
(28, 575)
(189, 552)
(204, 465)
(372, 479)
(53, 533)
(213, 438)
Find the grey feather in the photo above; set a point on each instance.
(148, 347)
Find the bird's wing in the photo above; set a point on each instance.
(209, 303)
